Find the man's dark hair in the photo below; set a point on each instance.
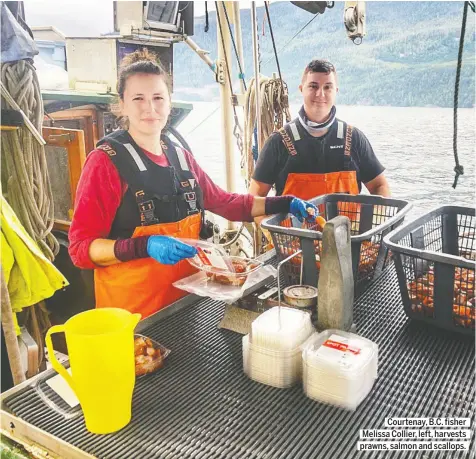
(319, 66)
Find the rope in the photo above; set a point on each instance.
(242, 75)
(28, 188)
(274, 106)
(459, 169)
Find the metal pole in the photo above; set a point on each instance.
(225, 100)
(11, 342)
(239, 41)
(254, 29)
(201, 52)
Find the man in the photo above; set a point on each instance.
(316, 153)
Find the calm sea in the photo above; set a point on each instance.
(414, 144)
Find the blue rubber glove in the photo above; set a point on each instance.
(168, 250)
(299, 208)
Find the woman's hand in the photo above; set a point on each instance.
(168, 250)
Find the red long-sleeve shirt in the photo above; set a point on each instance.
(100, 192)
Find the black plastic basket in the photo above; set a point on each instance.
(434, 257)
(371, 218)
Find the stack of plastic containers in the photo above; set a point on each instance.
(272, 353)
(339, 368)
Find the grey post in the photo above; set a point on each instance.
(336, 280)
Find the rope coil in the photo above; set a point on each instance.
(28, 188)
(274, 105)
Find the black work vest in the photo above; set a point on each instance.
(316, 155)
(155, 194)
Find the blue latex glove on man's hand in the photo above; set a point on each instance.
(168, 250)
(299, 209)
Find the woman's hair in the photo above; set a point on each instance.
(140, 61)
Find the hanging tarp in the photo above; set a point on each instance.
(16, 43)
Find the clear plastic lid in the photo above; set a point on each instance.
(281, 328)
(340, 353)
(213, 260)
(211, 257)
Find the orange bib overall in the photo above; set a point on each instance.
(308, 186)
(145, 285)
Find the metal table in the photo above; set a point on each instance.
(201, 405)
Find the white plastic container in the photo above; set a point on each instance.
(274, 368)
(281, 329)
(339, 368)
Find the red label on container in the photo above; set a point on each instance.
(203, 258)
(341, 346)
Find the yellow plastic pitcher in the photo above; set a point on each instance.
(101, 354)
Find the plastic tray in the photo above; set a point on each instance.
(371, 218)
(141, 369)
(219, 266)
(434, 258)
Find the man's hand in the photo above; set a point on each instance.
(303, 210)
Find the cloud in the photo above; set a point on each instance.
(74, 19)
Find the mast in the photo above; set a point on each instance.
(239, 41)
(224, 49)
(254, 30)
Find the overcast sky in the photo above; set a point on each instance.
(87, 17)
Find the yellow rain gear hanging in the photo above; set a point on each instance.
(30, 276)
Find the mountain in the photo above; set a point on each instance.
(407, 58)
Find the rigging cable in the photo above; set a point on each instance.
(207, 24)
(237, 130)
(294, 36)
(272, 40)
(242, 75)
(459, 169)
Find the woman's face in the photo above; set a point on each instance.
(146, 103)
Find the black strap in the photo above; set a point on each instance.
(288, 143)
(133, 176)
(347, 148)
(191, 194)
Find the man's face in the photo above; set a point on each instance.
(319, 93)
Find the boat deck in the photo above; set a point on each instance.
(201, 405)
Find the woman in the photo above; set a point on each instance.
(138, 191)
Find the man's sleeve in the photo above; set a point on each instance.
(370, 166)
(268, 165)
